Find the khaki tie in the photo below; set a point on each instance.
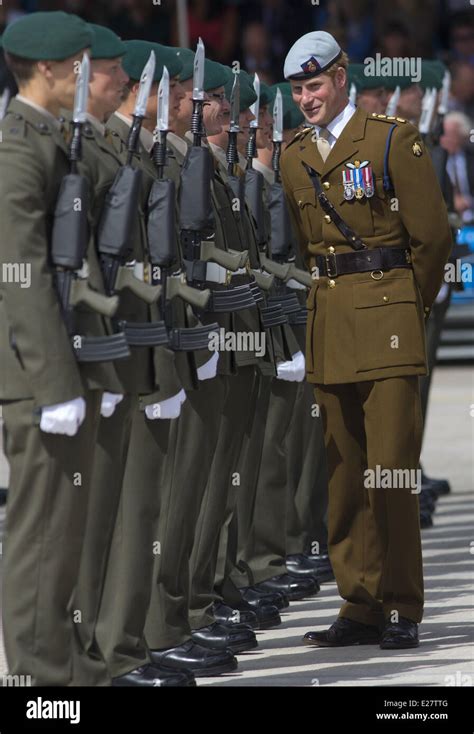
(322, 142)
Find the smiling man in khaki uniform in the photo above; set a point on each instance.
(370, 216)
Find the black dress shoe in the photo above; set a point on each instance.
(344, 632)
(294, 588)
(152, 676)
(256, 596)
(426, 519)
(217, 636)
(267, 615)
(201, 661)
(226, 615)
(440, 486)
(400, 635)
(319, 567)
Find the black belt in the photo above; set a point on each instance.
(362, 261)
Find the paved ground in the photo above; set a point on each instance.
(446, 654)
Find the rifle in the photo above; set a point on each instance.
(69, 242)
(196, 216)
(162, 239)
(282, 263)
(115, 229)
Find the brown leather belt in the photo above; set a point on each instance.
(363, 261)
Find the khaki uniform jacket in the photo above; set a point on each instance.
(360, 328)
(37, 360)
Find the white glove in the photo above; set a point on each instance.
(110, 400)
(208, 370)
(167, 409)
(285, 371)
(299, 366)
(64, 418)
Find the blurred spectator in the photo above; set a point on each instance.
(409, 104)
(462, 88)
(216, 22)
(462, 36)
(351, 22)
(460, 166)
(257, 54)
(396, 40)
(284, 22)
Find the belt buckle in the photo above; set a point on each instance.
(330, 272)
(228, 277)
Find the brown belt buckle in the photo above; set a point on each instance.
(331, 273)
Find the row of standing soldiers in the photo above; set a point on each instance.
(160, 490)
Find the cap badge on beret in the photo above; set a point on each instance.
(311, 66)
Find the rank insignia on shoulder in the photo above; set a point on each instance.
(358, 180)
(417, 149)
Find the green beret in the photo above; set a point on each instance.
(49, 36)
(214, 75)
(266, 93)
(247, 92)
(356, 75)
(292, 115)
(392, 82)
(432, 73)
(284, 87)
(137, 54)
(186, 56)
(105, 44)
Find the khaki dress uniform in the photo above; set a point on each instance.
(50, 474)
(366, 350)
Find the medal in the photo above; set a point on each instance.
(348, 182)
(368, 181)
(359, 179)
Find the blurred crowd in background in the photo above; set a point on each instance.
(259, 34)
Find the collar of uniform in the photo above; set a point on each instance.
(180, 144)
(267, 172)
(147, 139)
(95, 122)
(242, 162)
(337, 125)
(41, 110)
(219, 153)
(127, 120)
(347, 145)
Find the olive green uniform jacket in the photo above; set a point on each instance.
(38, 361)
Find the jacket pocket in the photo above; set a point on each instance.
(389, 327)
(310, 213)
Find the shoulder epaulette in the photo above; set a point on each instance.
(300, 135)
(384, 118)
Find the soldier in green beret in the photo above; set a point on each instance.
(372, 94)
(139, 376)
(51, 402)
(172, 632)
(306, 529)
